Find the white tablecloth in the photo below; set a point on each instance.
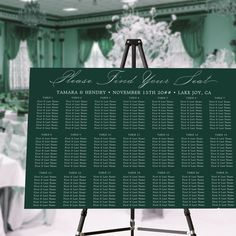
(16, 126)
(2, 233)
(11, 173)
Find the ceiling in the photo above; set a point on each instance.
(55, 7)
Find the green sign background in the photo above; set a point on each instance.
(202, 180)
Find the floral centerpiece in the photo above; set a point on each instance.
(155, 35)
(220, 58)
(16, 102)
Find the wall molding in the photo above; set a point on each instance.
(163, 11)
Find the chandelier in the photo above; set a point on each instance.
(94, 2)
(31, 15)
(224, 7)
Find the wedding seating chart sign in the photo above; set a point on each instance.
(131, 138)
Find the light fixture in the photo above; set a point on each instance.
(94, 2)
(129, 1)
(31, 15)
(224, 7)
(70, 9)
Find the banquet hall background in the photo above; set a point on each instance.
(91, 34)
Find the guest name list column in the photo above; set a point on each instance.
(46, 145)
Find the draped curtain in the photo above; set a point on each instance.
(105, 45)
(192, 38)
(85, 46)
(14, 34)
(12, 44)
(32, 49)
(86, 39)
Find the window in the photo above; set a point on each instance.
(19, 69)
(96, 59)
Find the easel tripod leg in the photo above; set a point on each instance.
(132, 221)
(81, 221)
(123, 61)
(133, 56)
(142, 55)
(189, 221)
